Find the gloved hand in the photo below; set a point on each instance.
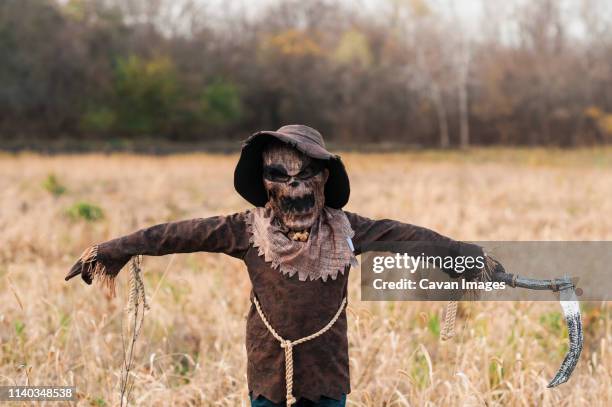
(99, 261)
(469, 250)
(493, 266)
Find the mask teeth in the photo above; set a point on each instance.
(300, 204)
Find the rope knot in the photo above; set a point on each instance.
(286, 344)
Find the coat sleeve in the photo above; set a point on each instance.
(368, 231)
(220, 234)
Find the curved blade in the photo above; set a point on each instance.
(571, 311)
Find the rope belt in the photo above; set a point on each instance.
(288, 345)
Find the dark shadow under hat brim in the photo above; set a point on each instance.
(248, 175)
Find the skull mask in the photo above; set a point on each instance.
(295, 184)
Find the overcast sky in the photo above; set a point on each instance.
(469, 9)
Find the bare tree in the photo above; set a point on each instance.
(461, 54)
(426, 65)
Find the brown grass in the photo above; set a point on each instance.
(191, 350)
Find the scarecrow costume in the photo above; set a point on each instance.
(298, 246)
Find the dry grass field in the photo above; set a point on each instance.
(191, 351)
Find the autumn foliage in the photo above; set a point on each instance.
(402, 71)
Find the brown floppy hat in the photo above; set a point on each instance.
(248, 179)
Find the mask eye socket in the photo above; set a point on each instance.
(310, 171)
(275, 174)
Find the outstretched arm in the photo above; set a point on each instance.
(221, 234)
(368, 231)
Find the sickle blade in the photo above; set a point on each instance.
(571, 311)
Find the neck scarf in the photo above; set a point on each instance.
(327, 251)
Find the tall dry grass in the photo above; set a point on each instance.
(191, 350)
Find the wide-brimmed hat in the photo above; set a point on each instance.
(248, 178)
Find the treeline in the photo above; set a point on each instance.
(533, 73)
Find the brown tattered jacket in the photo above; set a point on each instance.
(294, 308)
